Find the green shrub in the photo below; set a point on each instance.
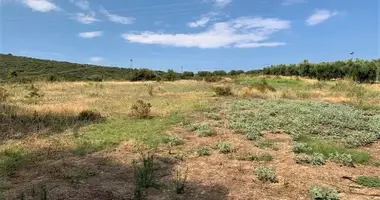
(368, 181)
(204, 151)
(323, 193)
(89, 115)
(300, 147)
(361, 139)
(174, 141)
(263, 157)
(253, 135)
(214, 116)
(140, 109)
(344, 159)
(3, 94)
(202, 129)
(263, 86)
(316, 159)
(265, 144)
(224, 147)
(144, 174)
(222, 90)
(266, 174)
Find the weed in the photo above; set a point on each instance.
(300, 147)
(150, 89)
(174, 141)
(214, 116)
(319, 85)
(204, 151)
(368, 181)
(144, 174)
(89, 115)
(180, 181)
(361, 139)
(222, 90)
(262, 157)
(344, 159)
(3, 94)
(265, 144)
(202, 129)
(377, 164)
(34, 92)
(140, 109)
(253, 135)
(266, 174)
(262, 86)
(224, 147)
(323, 193)
(316, 159)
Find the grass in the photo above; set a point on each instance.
(271, 144)
(204, 151)
(266, 157)
(368, 181)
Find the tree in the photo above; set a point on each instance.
(171, 75)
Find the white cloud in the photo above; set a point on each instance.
(241, 33)
(291, 2)
(222, 3)
(82, 4)
(96, 59)
(199, 23)
(320, 16)
(117, 18)
(40, 5)
(86, 18)
(90, 34)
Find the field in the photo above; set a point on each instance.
(267, 138)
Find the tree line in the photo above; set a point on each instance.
(25, 69)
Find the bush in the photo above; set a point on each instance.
(202, 130)
(3, 94)
(174, 141)
(224, 147)
(344, 159)
(361, 139)
(89, 115)
(222, 90)
(140, 109)
(323, 193)
(144, 174)
(253, 135)
(300, 147)
(204, 151)
(316, 159)
(368, 181)
(34, 92)
(266, 174)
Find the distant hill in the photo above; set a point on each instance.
(38, 69)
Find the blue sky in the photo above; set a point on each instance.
(195, 34)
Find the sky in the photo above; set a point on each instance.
(195, 34)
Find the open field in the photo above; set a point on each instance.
(274, 138)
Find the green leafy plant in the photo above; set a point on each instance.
(266, 174)
(204, 151)
(361, 139)
(265, 144)
(344, 159)
(300, 147)
(202, 129)
(214, 116)
(144, 174)
(174, 141)
(225, 148)
(368, 181)
(316, 159)
(222, 90)
(141, 109)
(261, 157)
(323, 193)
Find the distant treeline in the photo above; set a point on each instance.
(25, 69)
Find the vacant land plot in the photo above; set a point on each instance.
(260, 138)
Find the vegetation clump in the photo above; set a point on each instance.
(204, 151)
(174, 141)
(225, 147)
(144, 174)
(316, 159)
(266, 174)
(202, 129)
(89, 115)
(260, 157)
(368, 181)
(222, 90)
(141, 109)
(3, 94)
(361, 139)
(344, 159)
(323, 193)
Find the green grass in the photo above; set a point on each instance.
(368, 181)
(110, 133)
(266, 157)
(12, 159)
(271, 144)
(276, 82)
(328, 148)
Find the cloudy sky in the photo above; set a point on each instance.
(195, 34)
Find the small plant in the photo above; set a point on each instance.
(263, 157)
(300, 147)
(3, 94)
(265, 144)
(317, 159)
(361, 139)
(89, 115)
(144, 174)
(377, 164)
(368, 181)
(323, 193)
(150, 89)
(223, 90)
(224, 147)
(180, 181)
(204, 151)
(344, 159)
(174, 141)
(266, 174)
(34, 92)
(202, 129)
(140, 109)
(214, 116)
(253, 135)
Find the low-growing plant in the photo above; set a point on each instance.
(266, 174)
(174, 141)
(180, 181)
(323, 193)
(253, 135)
(89, 115)
(368, 181)
(204, 151)
(316, 159)
(224, 147)
(222, 90)
(202, 129)
(144, 174)
(377, 164)
(150, 89)
(261, 157)
(3, 94)
(361, 139)
(34, 92)
(214, 116)
(301, 147)
(344, 159)
(265, 144)
(141, 109)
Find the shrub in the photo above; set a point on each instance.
(3, 94)
(34, 92)
(140, 109)
(316, 159)
(266, 174)
(180, 181)
(263, 86)
(253, 135)
(222, 90)
(212, 79)
(344, 159)
(95, 78)
(368, 181)
(172, 141)
(224, 147)
(144, 174)
(323, 193)
(202, 130)
(204, 151)
(361, 139)
(89, 115)
(300, 147)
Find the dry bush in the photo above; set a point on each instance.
(89, 115)
(3, 94)
(140, 109)
(222, 90)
